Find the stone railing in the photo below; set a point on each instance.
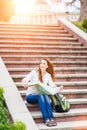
(72, 29)
(43, 18)
(68, 16)
(14, 102)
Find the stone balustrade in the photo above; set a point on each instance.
(43, 18)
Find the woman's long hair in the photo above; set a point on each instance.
(50, 70)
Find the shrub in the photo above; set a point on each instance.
(4, 122)
(18, 126)
(4, 115)
(84, 23)
(79, 25)
(1, 93)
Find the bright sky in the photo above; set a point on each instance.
(25, 6)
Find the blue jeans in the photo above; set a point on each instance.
(44, 104)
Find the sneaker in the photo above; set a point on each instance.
(54, 123)
(48, 123)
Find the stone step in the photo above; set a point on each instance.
(69, 93)
(28, 57)
(59, 77)
(36, 62)
(26, 24)
(17, 65)
(59, 70)
(39, 47)
(11, 34)
(67, 85)
(27, 28)
(57, 63)
(65, 91)
(79, 83)
(75, 103)
(71, 125)
(55, 68)
(40, 38)
(71, 113)
(75, 93)
(72, 101)
(44, 51)
(38, 52)
(35, 36)
(38, 57)
(33, 32)
(7, 25)
(38, 42)
(50, 31)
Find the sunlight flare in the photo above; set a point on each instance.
(24, 6)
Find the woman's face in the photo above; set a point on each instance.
(43, 65)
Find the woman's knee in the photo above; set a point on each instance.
(31, 98)
(27, 99)
(47, 98)
(41, 97)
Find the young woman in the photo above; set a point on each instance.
(44, 74)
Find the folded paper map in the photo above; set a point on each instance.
(45, 89)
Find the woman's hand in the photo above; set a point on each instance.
(61, 88)
(25, 83)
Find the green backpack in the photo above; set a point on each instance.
(60, 103)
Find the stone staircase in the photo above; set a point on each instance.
(22, 47)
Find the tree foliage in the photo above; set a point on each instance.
(7, 9)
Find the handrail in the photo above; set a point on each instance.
(71, 28)
(14, 102)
